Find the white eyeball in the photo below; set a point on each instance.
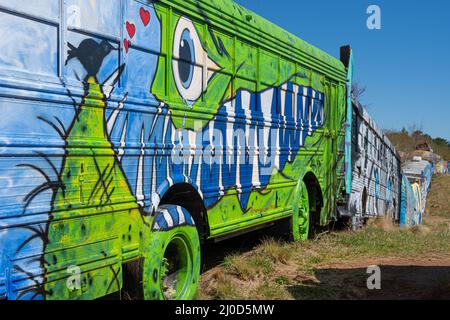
(188, 58)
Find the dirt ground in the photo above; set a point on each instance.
(415, 263)
(421, 278)
(425, 277)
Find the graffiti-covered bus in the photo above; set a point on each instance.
(134, 131)
(418, 174)
(376, 175)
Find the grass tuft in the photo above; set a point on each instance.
(278, 270)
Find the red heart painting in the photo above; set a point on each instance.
(145, 16)
(127, 45)
(131, 29)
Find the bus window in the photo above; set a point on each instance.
(245, 101)
(94, 27)
(290, 101)
(267, 64)
(79, 68)
(42, 8)
(317, 109)
(142, 49)
(100, 16)
(29, 43)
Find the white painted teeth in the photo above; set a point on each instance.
(114, 114)
(140, 175)
(251, 158)
(121, 150)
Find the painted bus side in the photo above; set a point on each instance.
(408, 212)
(127, 121)
(376, 171)
(419, 174)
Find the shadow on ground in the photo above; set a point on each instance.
(397, 283)
(213, 254)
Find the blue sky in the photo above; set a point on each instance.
(405, 65)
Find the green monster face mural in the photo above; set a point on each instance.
(205, 75)
(212, 74)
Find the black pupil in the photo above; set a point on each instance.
(184, 66)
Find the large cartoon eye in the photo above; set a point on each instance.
(189, 57)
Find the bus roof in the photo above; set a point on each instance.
(229, 14)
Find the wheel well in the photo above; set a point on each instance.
(183, 195)
(186, 196)
(315, 197)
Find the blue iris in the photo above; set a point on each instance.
(187, 59)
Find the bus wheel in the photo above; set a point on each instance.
(304, 213)
(171, 269)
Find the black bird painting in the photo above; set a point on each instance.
(91, 54)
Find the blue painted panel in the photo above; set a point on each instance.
(145, 46)
(407, 204)
(48, 9)
(77, 42)
(101, 16)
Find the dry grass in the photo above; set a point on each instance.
(248, 267)
(276, 251)
(218, 285)
(277, 270)
(438, 202)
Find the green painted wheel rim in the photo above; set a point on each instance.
(171, 267)
(303, 213)
(176, 269)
